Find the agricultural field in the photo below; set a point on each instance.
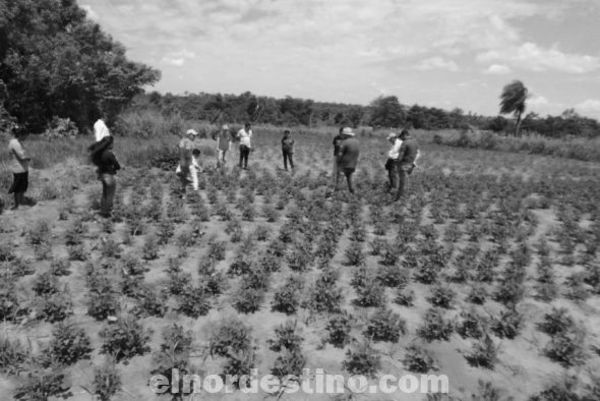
(488, 272)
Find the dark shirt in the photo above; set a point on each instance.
(336, 143)
(408, 152)
(349, 150)
(108, 163)
(287, 144)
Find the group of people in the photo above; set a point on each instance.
(401, 159)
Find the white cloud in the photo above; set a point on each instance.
(498, 69)
(437, 63)
(537, 101)
(589, 107)
(532, 57)
(90, 12)
(178, 58)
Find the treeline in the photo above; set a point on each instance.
(383, 112)
(55, 62)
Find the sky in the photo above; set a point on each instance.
(441, 53)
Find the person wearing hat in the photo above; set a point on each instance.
(287, 147)
(347, 157)
(185, 147)
(407, 155)
(100, 129)
(245, 136)
(223, 138)
(392, 159)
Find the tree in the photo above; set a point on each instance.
(56, 62)
(512, 101)
(387, 112)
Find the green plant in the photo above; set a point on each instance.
(107, 380)
(483, 354)
(508, 324)
(287, 298)
(60, 267)
(442, 296)
(556, 322)
(435, 327)
(12, 356)
(69, 344)
(125, 339)
(325, 295)
(193, 301)
(418, 359)
(404, 297)
(42, 383)
(338, 330)
(385, 325)
(362, 360)
(471, 325)
(287, 336)
(567, 347)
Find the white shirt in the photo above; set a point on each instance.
(244, 137)
(100, 130)
(395, 150)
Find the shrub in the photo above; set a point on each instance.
(40, 384)
(60, 267)
(385, 325)
(109, 248)
(151, 303)
(362, 360)
(393, 276)
(12, 356)
(561, 391)
(567, 348)
(477, 295)
(107, 381)
(69, 344)
(125, 339)
(299, 259)
(471, 325)
(229, 338)
(483, 354)
(556, 322)
(434, 326)
(287, 298)
(354, 255)
(287, 336)
(77, 253)
(103, 303)
(290, 363)
(193, 301)
(418, 359)
(404, 297)
(338, 330)
(248, 299)
(442, 296)
(216, 250)
(325, 295)
(56, 307)
(150, 247)
(45, 284)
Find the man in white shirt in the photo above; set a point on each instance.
(245, 135)
(392, 160)
(100, 130)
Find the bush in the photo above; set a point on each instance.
(287, 298)
(45, 284)
(229, 338)
(289, 364)
(385, 325)
(56, 307)
(418, 359)
(12, 356)
(325, 295)
(362, 360)
(393, 276)
(477, 295)
(561, 391)
(248, 299)
(434, 326)
(471, 325)
(287, 337)
(355, 255)
(405, 297)
(338, 330)
(60, 267)
(193, 301)
(556, 322)
(508, 325)
(125, 339)
(567, 348)
(40, 384)
(442, 297)
(102, 304)
(107, 381)
(69, 344)
(484, 354)
(150, 248)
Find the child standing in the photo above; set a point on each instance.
(193, 170)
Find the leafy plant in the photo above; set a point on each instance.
(435, 327)
(287, 298)
(69, 344)
(385, 325)
(442, 296)
(483, 354)
(193, 301)
(362, 360)
(338, 330)
(418, 359)
(107, 381)
(125, 339)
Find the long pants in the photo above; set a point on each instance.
(288, 156)
(221, 157)
(244, 152)
(402, 177)
(109, 187)
(348, 172)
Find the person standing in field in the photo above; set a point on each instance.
(391, 165)
(287, 148)
(19, 166)
(337, 140)
(185, 147)
(407, 155)
(100, 129)
(104, 158)
(347, 157)
(223, 138)
(245, 136)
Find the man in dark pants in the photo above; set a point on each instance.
(287, 147)
(406, 161)
(107, 169)
(337, 140)
(19, 165)
(347, 157)
(245, 137)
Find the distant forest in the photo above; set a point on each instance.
(382, 112)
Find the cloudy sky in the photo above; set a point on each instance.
(444, 53)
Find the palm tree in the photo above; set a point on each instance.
(512, 100)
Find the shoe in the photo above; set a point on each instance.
(15, 207)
